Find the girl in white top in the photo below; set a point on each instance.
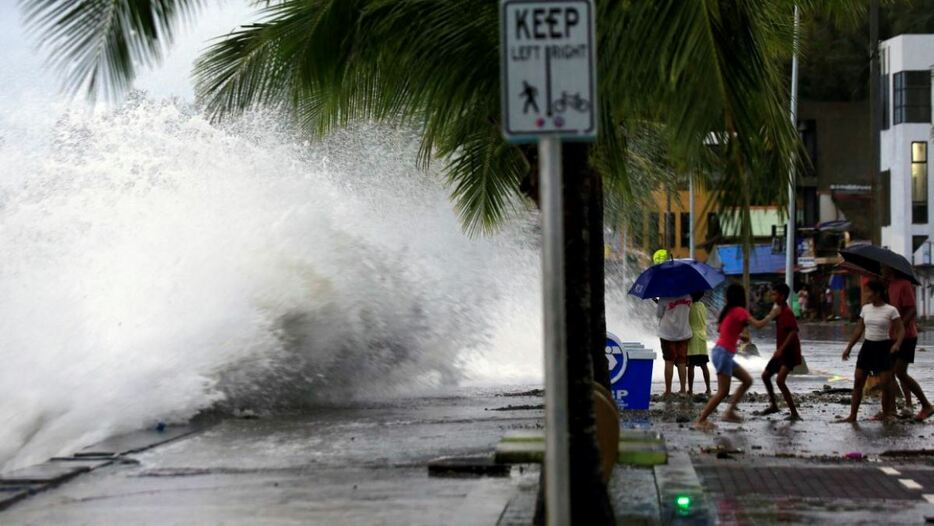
(876, 354)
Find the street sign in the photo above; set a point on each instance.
(549, 80)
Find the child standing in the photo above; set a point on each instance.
(787, 353)
(733, 319)
(697, 347)
(876, 355)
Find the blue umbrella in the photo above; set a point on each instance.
(676, 278)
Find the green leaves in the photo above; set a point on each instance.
(431, 64)
(97, 45)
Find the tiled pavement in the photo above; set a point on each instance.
(832, 482)
(868, 493)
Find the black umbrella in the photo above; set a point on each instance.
(871, 258)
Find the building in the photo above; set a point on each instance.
(906, 65)
(666, 223)
(836, 184)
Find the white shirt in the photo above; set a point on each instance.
(674, 318)
(878, 320)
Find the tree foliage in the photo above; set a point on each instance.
(97, 46)
(688, 68)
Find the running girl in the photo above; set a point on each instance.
(733, 319)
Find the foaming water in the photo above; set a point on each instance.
(153, 266)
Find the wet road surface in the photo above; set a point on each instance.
(366, 464)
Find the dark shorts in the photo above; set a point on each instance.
(875, 357)
(789, 359)
(675, 351)
(907, 352)
(698, 359)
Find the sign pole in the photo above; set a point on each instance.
(549, 93)
(557, 461)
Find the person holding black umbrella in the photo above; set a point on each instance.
(902, 297)
(877, 321)
(900, 280)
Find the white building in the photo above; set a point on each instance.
(907, 64)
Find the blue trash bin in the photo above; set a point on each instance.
(630, 365)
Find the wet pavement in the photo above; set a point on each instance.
(351, 465)
(367, 463)
(770, 471)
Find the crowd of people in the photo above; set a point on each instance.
(887, 326)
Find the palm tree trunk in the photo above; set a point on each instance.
(601, 371)
(586, 335)
(746, 232)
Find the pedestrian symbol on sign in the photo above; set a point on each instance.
(530, 93)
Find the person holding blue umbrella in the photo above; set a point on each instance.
(674, 332)
(672, 283)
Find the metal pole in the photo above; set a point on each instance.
(693, 224)
(790, 225)
(557, 453)
(875, 120)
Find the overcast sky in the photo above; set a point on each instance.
(22, 76)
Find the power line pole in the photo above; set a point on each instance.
(790, 225)
(875, 120)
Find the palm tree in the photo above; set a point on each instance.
(689, 69)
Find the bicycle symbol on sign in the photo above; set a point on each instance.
(574, 102)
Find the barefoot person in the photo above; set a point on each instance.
(876, 320)
(787, 353)
(674, 331)
(697, 348)
(902, 297)
(733, 319)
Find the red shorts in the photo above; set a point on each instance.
(791, 358)
(675, 351)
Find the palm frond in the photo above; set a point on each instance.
(484, 173)
(97, 46)
(430, 64)
(713, 68)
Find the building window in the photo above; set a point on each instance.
(654, 238)
(912, 96)
(884, 89)
(919, 182)
(884, 94)
(886, 177)
(638, 230)
(669, 229)
(713, 227)
(685, 230)
(807, 130)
